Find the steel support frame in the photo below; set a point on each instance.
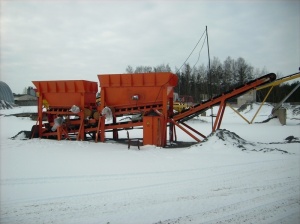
(221, 100)
(186, 131)
(271, 85)
(261, 104)
(216, 125)
(219, 117)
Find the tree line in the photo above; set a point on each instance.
(202, 83)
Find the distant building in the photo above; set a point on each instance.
(31, 91)
(29, 99)
(248, 97)
(25, 100)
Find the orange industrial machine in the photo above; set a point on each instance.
(72, 108)
(147, 94)
(65, 104)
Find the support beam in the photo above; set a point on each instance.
(219, 117)
(190, 134)
(194, 130)
(238, 113)
(285, 98)
(262, 103)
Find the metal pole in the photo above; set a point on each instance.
(285, 98)
(210, 89)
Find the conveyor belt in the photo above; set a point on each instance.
(202, 107)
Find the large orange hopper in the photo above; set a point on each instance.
(147, 94)
(68, 103)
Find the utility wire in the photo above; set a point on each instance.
(192, 51)
(183, 63)
(200, 52)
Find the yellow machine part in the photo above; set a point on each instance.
(45, 104)
(180, 106)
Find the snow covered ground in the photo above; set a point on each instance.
(241, 174)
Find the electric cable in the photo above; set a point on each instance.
(200, 52)
(191, 52)
(183, 63)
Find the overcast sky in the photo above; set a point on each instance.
(52, 39)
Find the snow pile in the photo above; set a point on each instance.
(291, 139)
(245, 107)
(232, 140)
(22, 135)
(296, 111)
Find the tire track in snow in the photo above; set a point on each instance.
(141, 182)
(160, 179)
(107, 177)
(35, 213)
(229, 182)
(266, 208)
(265, 212)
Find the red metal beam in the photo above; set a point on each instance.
(190, 134)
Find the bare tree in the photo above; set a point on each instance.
(162, 68)
(129, 69)
(143, 69)
(244, 72)
(228, 71)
